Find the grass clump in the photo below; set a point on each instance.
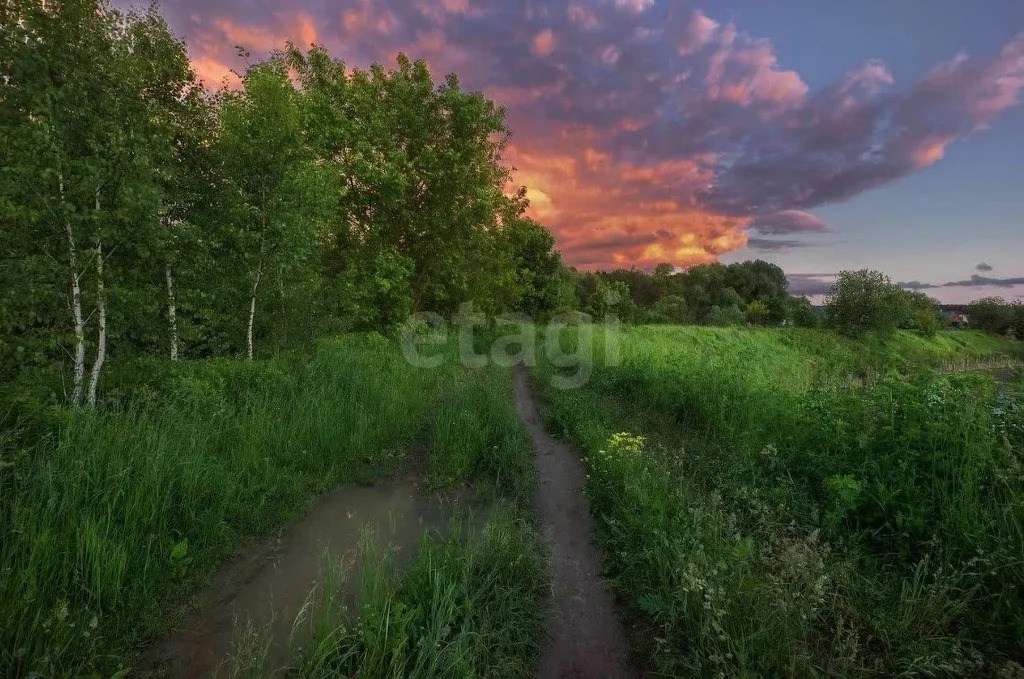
(467, 606)
(470, 602)
(477, 436)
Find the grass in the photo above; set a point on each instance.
(793, 503)
(477, 437)
(470, 603)
(111, 516)
(467, 606)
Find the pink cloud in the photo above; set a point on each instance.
(581, 16)
(748, 74)
(699, 33)
(788, 221)
(635, 6)
(646, 134)
(544, 43)
(610, 54)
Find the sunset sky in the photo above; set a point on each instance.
(818, 135)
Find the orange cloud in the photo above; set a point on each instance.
(606, 213)
(930, 151)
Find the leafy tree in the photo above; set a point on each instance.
(725, 316)
(418, 172)
(865, 301)
(536, 264)
(1018, 320)
(276, 192)
(801, 312)
(669, 309)
(644, 289)
(991, 314)
(181, 134)
(922, 315)
(80, 183)
(610, 298)
(663, 270)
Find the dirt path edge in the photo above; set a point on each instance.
(585, 637)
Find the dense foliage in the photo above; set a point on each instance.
(146, 216)
(866, 301)
(712, 294)
(996, 315)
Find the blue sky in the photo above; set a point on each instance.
(937, 225)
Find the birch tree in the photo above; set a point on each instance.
(55, 57)
(180, 128)
(79, 182)
(275, 192)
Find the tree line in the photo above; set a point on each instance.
(709, 294)
(867, 301)
(144, 214)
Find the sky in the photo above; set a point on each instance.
(821, 136)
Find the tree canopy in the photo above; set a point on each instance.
(148, 215)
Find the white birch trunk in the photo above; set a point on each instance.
(252, 309)
(101, 302)
(101, 344)
(76, 309)
(172, 312)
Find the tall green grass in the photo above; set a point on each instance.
(471, 603)
(477, 437)
(807, 505)
(109, 516)
(467, 606)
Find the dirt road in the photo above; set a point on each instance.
(585, 637)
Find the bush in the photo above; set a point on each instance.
(725, 316)
(757, 312)
(802, 313)
(669, 309)
(922, 316)
(865, 301)
(991, 314)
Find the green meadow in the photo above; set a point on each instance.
(770, 502)
(787, 502)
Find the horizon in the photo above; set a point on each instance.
(819, 138)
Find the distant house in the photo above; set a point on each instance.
(958, 320)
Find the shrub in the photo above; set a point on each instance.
(802, 313)
(922, 316)
(669, 309)
(757, 312)
(865, 301)
(1018, 320)
(991, 314)
(725, 316)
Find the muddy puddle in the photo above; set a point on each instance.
(265, 589)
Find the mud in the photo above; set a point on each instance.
(585, 637)
(265, 588)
